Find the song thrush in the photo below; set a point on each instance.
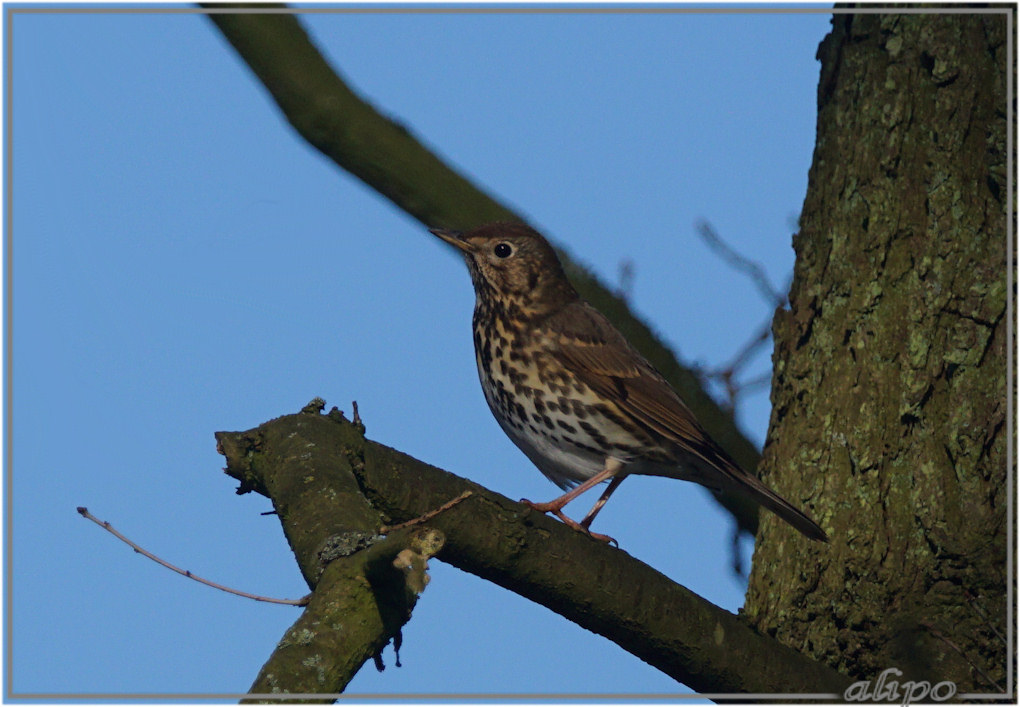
(572, 393)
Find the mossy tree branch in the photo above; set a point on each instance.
(364, 586)
(384, 154)
(505, 542)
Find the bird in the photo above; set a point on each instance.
(573, 394)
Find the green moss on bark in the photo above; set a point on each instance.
(890, 366)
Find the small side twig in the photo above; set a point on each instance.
(727, 374)
(754, 270)
(357, 417)
(942, 637)
(626, 279)
(974, 602)
(187, 573)
(428, 516)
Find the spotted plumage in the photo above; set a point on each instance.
(572, 393)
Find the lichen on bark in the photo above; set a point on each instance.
(889, 391)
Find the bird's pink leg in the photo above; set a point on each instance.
(617, 480)
(556, 505)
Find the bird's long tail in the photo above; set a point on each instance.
(768, 498)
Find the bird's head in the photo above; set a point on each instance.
(512, 261)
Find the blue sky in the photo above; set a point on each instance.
(184, 263)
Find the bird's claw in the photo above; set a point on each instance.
(557, 510)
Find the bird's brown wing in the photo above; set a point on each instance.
(599, 355)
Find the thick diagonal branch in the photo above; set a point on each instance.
(363, 585)
(385, 155)
(598, 587)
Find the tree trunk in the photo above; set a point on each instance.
(890, 389)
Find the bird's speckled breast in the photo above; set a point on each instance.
(559, 423)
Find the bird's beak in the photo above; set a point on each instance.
(451, 237)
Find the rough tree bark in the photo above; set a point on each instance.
(889, 391)
(363, 585)
(331, 488)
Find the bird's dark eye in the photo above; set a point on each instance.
(503, 250)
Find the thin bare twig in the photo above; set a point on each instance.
(727, 374)
(427, 516)
(187, 573)
(626, 270)
(942, 637)
(761, 381)
(753, 269)
(984, 614)
(753, 344)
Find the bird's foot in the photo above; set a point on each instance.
(557, 510)
(551, 507)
